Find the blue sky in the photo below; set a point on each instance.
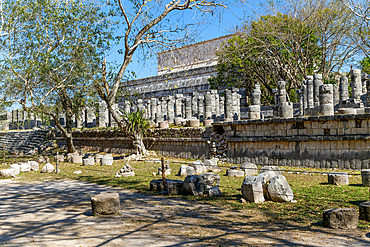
(230, 18)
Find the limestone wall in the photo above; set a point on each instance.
(340, 141)
(188, 148)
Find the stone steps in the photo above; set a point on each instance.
(23, 141)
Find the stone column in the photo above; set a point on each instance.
(194, 104)
(356, 84)
(326, 100)
(368, 95)
(183, 106)
(310, 92)
(304, 95)
(213, 103)
(140, 105)
(300, 101)
(102, 115)
(235, 99)
(178, 104)
(335, 95)
(256, 94)
(208, 106)
(217, 106)
(255, 109)
(285, 108)
(201, 108)
(158, 113)
(79, 120)
(171, 109)
(343, 89)
(228, 106)
(222, 107)
(153, 108)
(188, 110)
(164, 108)
(317, 82)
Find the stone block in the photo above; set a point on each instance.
(253, 192)
(210, 162)
(76, 159)
(340, 218)
(16, 168)
(7, 173)
(249, 168)
(365, 175)
(234, 173)
(48, 168)
(106, 160)
(364, 211)
(211, 180)
(89, 161)
(271, 168)
(24, 167)
(215, 191)
(194, 185)
(59, 158)
(105, 204)
(173, 187)
(338, 178)
(279, 189)
(34, 165)
(186, 171)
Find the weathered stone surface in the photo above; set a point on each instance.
(16, 167)
(186, 171)
(98, 158)
(126, 171)
(365, 211)
(210, 162)
(249, 168)
(6, 173)
(48, 168)
(198, 162)
(192, 122)
(24, 167)
(34, 165)
(340, 218)
(90, 161)
(163, 125)
(76, 158)
(271, 168)
(106, 160)
(194, 185)
(249, 179)
(264, 178)
(198, 168)
(365, 175)
(279, 189)
(338, 178)
(213, 169)
(215, 191)
(253, 192)
(234, 173)
(211, 180)
(105, 204)
(173, 187)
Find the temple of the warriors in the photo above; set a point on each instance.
(328, 127)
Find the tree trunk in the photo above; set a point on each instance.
(137, 141)
(70, 145)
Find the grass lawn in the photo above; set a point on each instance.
(311, 191)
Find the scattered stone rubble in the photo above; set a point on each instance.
(167, 170)
(218, 146)
(268, 185)
(15, 169)
(125, 171)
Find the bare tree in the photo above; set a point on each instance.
(147, 24)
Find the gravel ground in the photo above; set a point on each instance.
(58, 213)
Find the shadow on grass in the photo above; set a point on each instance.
(357, 203)
(356, 185)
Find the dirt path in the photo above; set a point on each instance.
(58, 213)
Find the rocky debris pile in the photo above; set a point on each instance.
(218, 146)
(268, 185)
(204, 184)
(167, 170)
(23, 142)
(15, 169)
(47, 146)
(125, 171)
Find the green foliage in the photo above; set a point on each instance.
(365, 65)
(267, 50)
(136, 123)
